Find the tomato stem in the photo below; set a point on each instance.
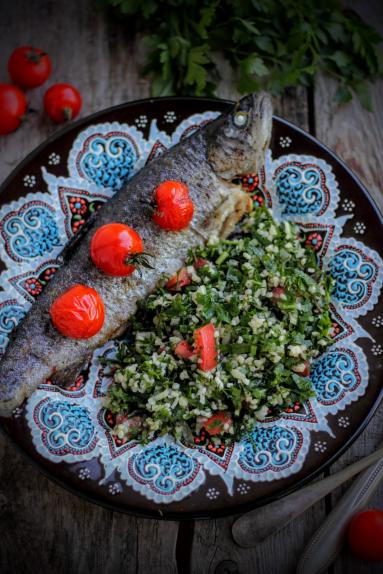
(34, 56)
(68, 114)
(139, 260)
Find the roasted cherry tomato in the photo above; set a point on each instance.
(178, 280)
(204, 341)
(62, 102)
(78, 313)
(174, 208)
(365, 535)
(29, 67)
(116, 249)
(217, 422)
(13, 107)
(184, 350)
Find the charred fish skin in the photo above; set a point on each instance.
(207, 161)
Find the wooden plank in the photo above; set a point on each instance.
(213, 548)
(44, 528)
(356, 135)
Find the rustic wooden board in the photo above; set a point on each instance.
(356, 135)
(43, 527)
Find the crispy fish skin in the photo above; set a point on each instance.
(207, 161)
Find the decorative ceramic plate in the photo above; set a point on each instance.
(68, 431)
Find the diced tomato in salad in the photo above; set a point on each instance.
(278, 293)
(178, 280)
(205, 347)
(184, 350)
(200, 262)
(216, 423)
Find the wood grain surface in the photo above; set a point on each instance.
(45, 529)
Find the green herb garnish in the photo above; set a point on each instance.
(269, 303)
(270, 44)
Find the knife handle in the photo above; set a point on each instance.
(327, 542)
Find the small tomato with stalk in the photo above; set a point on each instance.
(29, 67)
(13, 108)
(118, 250)
(62, 102)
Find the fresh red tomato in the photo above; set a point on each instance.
(216, 423)
(78, 313)
(116, 249)
(365, 535)
(174, 208)
(13, 107)
(184, 350)
(29, 67)
(62, 102)
(205, 347)
(178, 280)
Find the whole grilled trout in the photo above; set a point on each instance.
(207, 161)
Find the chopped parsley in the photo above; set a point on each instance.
(269, 302)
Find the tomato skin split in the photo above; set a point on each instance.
(174, 208)
(78, 313)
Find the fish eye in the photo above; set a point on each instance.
(240, 119)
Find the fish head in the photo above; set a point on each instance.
(238, 141)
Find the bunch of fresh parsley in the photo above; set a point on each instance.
(271, 44)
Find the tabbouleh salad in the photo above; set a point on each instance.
(263, 303)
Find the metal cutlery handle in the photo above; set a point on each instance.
(256, 525)
(326, 543)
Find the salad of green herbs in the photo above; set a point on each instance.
(269, 303)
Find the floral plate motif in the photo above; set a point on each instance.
(68, 431)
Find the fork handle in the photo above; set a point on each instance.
(327, 542)
(256, 525)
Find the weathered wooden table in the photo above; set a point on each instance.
(45, 529)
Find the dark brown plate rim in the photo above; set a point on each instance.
(161, 515)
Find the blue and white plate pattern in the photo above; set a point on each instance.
(71, 425)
